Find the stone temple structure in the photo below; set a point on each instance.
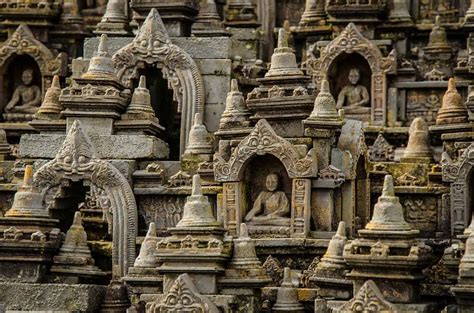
(237, 156)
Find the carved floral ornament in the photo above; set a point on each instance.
(76, 160)
(460, 171)
(22, 42)
(153, 46)
(263, 140)
(352, 41)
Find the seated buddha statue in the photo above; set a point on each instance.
(271, 206)
(354, 97)
(26, 98)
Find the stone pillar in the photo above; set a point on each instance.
(300, 207)
(233, 202)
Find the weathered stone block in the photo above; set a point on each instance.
(51, 297)
(216, 88)
(212, 114)
(108, 147)
(217, 67)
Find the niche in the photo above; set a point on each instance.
(166, 109)
(338, 72)
(255, 176)
(11, 76)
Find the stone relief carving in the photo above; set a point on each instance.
(274, 270)
(260, 141)
(153, 46)
(459, 174)
(165, 211)
(423, 104)
(381, 150)
(76, 160)
(368, 299)
(350, 41)
(183, 296)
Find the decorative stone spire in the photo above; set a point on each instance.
(336, 245)
(199, 139)
(75, 257)
(70, 14)
(236, 113)
(51, 105)
(466, 266)
(208, 22)
(452, 110)
(115, 21)
(116, 298)
(469, 17)
(28, 200)
(388, 213)
(325, 106)
(101, 64)
(287, 296)
(438, 42)
(314, 13)
(140, 106)
(146, 257)
(283, 59)
(418, 147)
(5, 149)
(400, 13)
(197, 210)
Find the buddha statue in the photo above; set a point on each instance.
(354, 97)
(26, 97)
(271, 206)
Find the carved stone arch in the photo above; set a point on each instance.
(23, 42)
(350, 40)
(263, 140)
(459, 174)
(75, 161)
(153, 46)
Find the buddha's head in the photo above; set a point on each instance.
(271, 182)
(354, 76)
(27, 76)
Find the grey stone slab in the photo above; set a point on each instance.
(216, 88)
(197, 47)
(51, 297)
(212, 114)
(217, 67)
(107, 147)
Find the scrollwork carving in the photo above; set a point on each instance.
(263, 140)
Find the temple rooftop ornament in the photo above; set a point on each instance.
(325, 112)
(314, 14)
(399, 13)
(418, 148)
(208, 22)
(245, 269)
(287, 296)
(74, 258)
(115, 21)
(283, 63)
(146, 257)
(197, 210)
(28, 200)
(51, 107)
(199, 139)
(330, 273)
(452, 110)
(101, 65)
(388, 219)
(438, 47)
(236, 113)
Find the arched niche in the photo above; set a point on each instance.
(76, 161)
(22, 43)
(13, 70)
(256, 172)
(350, 41)
(165, 107)
(338, 72)
(152, 46)
(264, 144)
(461, 177)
